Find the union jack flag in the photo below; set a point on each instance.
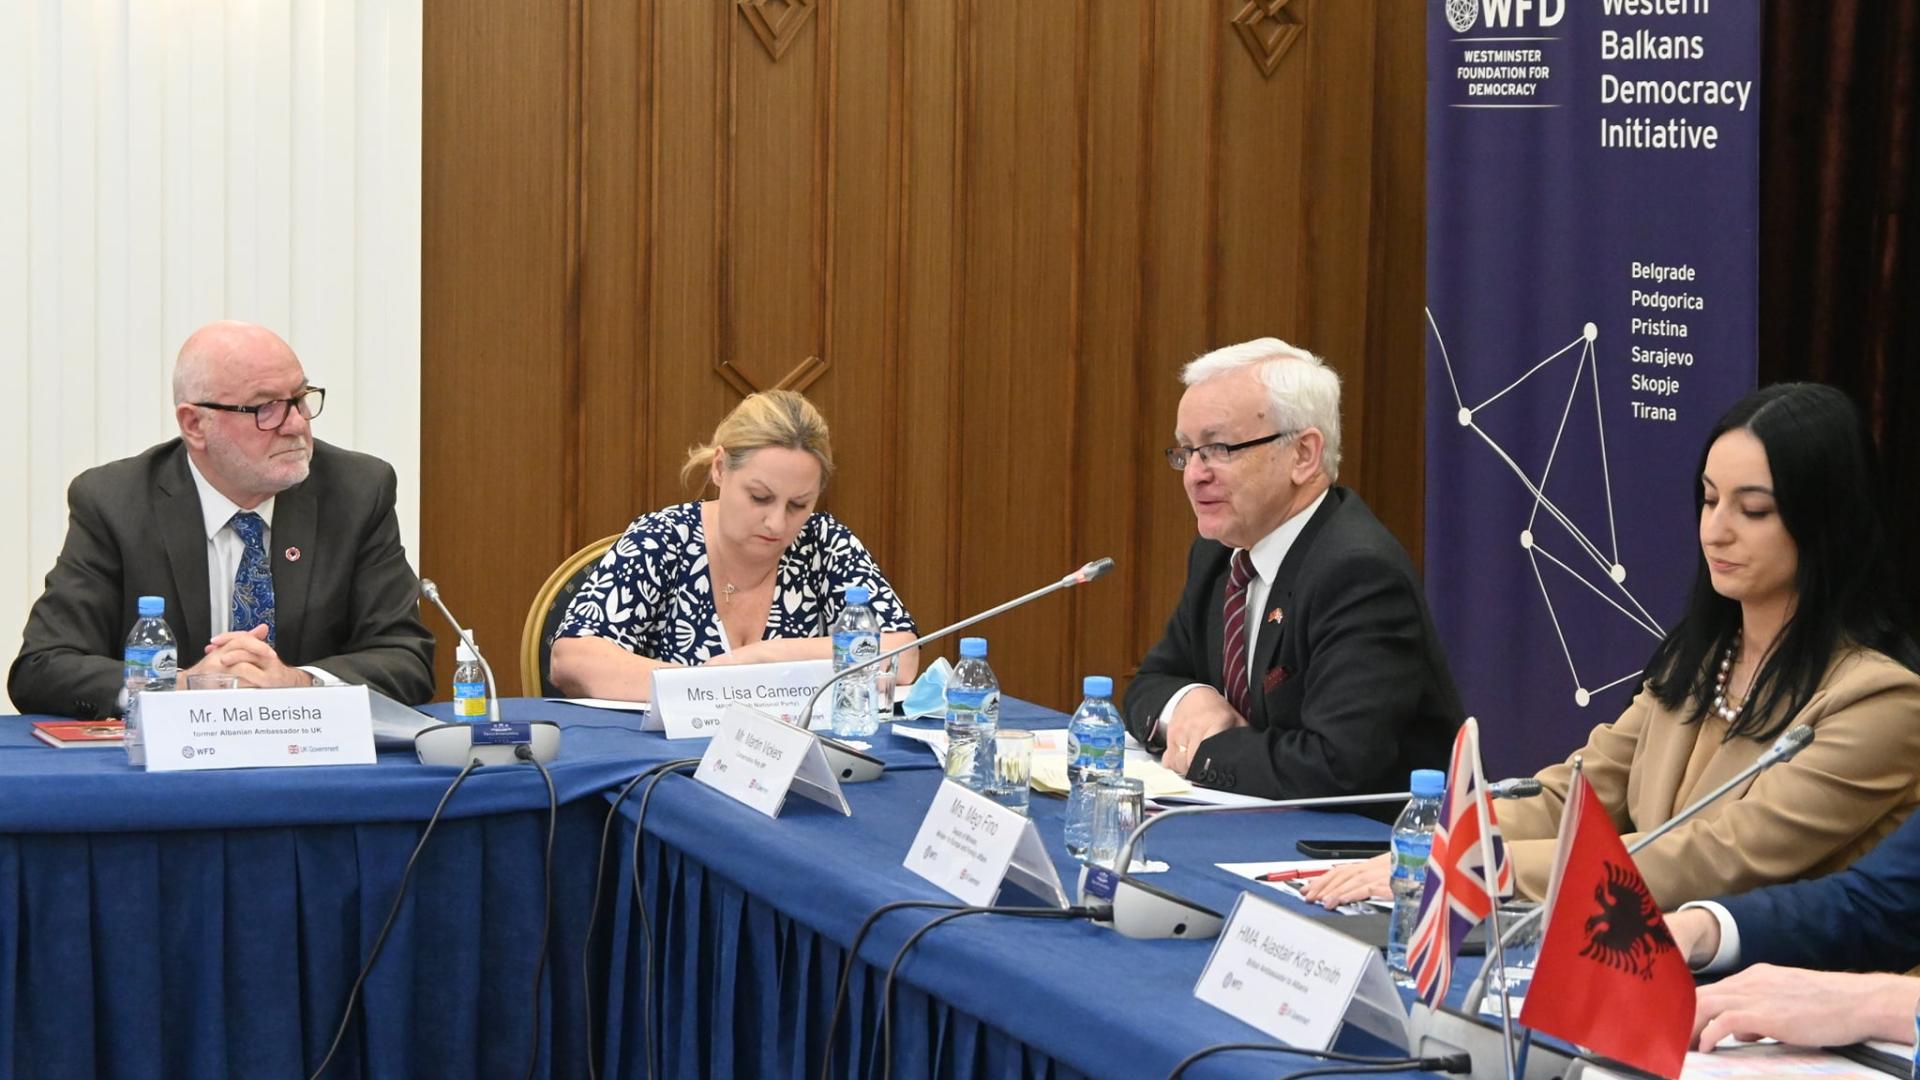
(1456, 895)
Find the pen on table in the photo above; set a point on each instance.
(1291, 875)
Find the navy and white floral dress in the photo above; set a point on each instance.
(651, 593)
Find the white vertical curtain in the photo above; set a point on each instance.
(164, 163)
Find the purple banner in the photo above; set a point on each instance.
(1592, 194)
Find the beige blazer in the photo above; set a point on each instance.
(1857, 780)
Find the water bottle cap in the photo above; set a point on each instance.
(973, 648)
(463, 654)
(152, 607)
(1097, 686)
(1428, 783)
(858, 594)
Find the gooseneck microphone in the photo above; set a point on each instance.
(1519, 787)
(432, 593)
(1098, 568)
(1141, 910)
(452, 744)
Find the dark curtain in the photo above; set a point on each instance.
(1839, 259)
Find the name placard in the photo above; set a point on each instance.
(688, 702)
(968, 845)
(246, 729)
(1297, 980)
(757, 760)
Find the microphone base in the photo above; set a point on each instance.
(452, 745)
(1143, 911)
(1437, 1032)
(849, 765)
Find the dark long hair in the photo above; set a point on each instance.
(1828, 489)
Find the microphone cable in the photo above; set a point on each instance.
(593, 912)
(1345, 1063)
(885, 1032)
(1451, 1063)
(346, 1016)
(524, 752)
(640, 902)
(853, 955)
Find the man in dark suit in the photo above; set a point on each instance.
(1865, 918)
(279, 556)
(1301, 660)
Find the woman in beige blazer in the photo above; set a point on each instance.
(1792, 619)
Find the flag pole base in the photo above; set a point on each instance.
(1443, 1031)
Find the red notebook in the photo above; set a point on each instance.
(63, 734)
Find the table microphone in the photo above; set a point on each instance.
(1141, 910)
(1519, 787)
(452, 744)
(849, 764)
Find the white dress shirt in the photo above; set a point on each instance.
(225, 549)
(1727, 956)
(1267, 554)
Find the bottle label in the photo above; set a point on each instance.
(990, 707)
(1410, 857)
(470, 700)
(970, 702)
(852, 647)
(152, 663)
(140, 658)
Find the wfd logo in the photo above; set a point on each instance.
(1462, 14)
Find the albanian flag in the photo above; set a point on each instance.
(1609, 976)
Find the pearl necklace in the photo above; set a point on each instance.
(1721, 707)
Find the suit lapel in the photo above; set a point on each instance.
(293, 532)
(183, 533)
(1273, 627)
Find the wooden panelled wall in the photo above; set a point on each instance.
(983, 235)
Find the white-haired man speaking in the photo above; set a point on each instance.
(1301, 660)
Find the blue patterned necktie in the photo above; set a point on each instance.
(253, 584)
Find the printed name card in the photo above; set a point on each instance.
(968, 844)
(756, 759)
(242, 729)
(688, 702)
(1297, 980)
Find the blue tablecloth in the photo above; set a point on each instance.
(751, 918)
(210, 924)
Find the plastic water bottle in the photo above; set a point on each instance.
(973, 715)
(1412, 840)
(856, 639)
(152, 662)
(469, 687)
(1096, 748)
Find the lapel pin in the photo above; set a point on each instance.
(293, 554)
(1275, 616)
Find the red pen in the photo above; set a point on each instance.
(1291, 875)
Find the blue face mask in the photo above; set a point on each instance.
(928, 695)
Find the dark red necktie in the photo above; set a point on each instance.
(1236, 630)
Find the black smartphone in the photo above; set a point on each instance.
(1341, 849)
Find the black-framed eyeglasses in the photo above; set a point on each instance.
(269, 415)
(1218, 453)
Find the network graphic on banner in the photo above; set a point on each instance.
(1587, 564)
